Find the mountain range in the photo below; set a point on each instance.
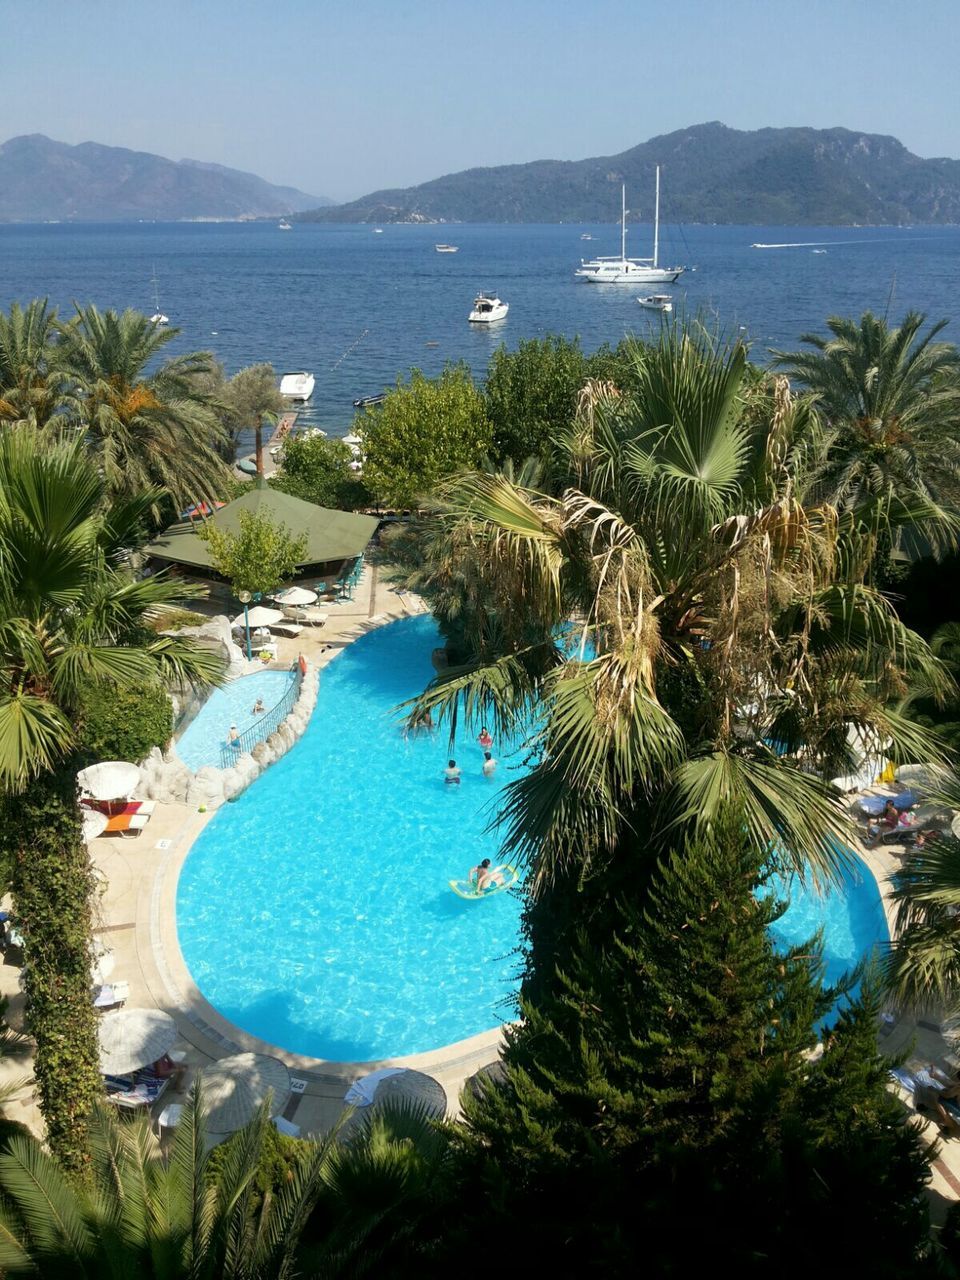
(710, 173)
(42, 180)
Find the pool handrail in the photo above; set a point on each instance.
(268, 723)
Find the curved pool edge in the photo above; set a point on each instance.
(172, 986)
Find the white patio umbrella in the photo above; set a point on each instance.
(234, 1088)
(296, 596)
(111, 780)
(132, 1038)
(94, 824)
(259, 616)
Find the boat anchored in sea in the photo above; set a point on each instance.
(657, 302)
(284, 225)
(447, 248)
(158, 318)
(624, 270)
(297, 386)
(487, 309)
(365, 402)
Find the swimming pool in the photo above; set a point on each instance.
(315, 911)
(850, 915)
(202, 739)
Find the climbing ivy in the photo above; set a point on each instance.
(42, 835)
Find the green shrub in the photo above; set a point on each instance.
(124, 724)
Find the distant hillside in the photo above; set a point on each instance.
(710, 174)
(43, 180)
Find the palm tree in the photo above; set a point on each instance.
(722, 640)
(891, 398)
(923, 967)
(143, 1215)
(70, 613)
(149, 424)
(251, 398)
(33, 383)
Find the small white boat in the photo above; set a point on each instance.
(158, 318)
(284, 225)
(657, 302)
(297, 386)
(487, 309)
(447, 248)
(586, 236)
(378, 231)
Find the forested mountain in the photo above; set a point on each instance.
(45, 180)
(710, 174)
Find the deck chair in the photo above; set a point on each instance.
(289, 629)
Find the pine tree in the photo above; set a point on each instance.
(662, 1106)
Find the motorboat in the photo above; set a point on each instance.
(447, 248)
(487, 309)
(297, 386)
(586, 236)
(378, 231)
(284, 225)
(366, 401)
(657, 302)
(624, 270)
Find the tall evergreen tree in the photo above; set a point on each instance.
(664, 1104)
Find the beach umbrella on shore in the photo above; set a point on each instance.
(260, 616)
(133, 1038)
(296, 596)
(234, 1088)
(111, 780)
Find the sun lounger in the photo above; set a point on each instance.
(142, 1089)
(873, 806)
(112, 995)
(127, 825)
(290, 629)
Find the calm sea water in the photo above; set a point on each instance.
(360, 309)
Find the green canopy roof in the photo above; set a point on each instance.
(331, 535)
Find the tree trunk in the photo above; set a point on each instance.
(52, 884)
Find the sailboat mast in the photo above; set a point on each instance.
(623, 221)
(656, 221)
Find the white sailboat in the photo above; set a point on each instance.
(624, 270)
(158, 318)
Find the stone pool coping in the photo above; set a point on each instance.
(171, 984)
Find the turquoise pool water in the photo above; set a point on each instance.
(201, 741)
(850, 915)
(315, 911)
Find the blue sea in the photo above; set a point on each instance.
(360, 310)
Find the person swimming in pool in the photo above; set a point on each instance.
(233, 737)
(451, 773)
(485, 740)
(485, 876)
(489, 765)
(258, 708)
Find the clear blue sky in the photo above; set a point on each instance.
(341, 98)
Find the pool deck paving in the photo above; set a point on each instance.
(135, 918)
